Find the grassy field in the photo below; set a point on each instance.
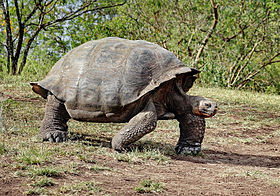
(240, 155)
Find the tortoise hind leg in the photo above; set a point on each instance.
(140, 125)
(54, 127)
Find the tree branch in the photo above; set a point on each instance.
(31, 13)
(209, 34)
(228, 39)
(41, 25)
(53, 6)
(253, 74)
(248, 56)
(79, 12)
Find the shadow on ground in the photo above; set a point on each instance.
(221, 157)
(90, 139)
(207, 156)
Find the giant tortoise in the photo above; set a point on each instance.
(119, 80)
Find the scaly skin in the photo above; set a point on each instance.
(54, 127)
(192, 130)
(140, 125)
(113, 80)
(188, 110)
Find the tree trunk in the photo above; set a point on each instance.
(14, 66)
(26, 51)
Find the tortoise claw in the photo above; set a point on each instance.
(55, 136)
(188, 149)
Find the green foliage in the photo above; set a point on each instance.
(22, 22)
(84, 165)
(243, 51)
(65, 36)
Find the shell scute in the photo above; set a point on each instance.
(102, 75)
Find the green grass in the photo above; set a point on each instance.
(40, 186)
(255, 174)
(43, 182)
(2, 149)
(142, 156)
(99, 168)
(47, 171)
(230, 98)
(89, 187)
(81, 166)
(149, 186)
(33, 155)
(36, 191)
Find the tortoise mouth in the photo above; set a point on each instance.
(206, 109)
(208, 113)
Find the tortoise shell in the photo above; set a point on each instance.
(110, 73)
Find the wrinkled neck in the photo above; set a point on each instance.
(179, 103)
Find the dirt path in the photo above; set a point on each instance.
(230, 170)
(241, 156)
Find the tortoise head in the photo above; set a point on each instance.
(196, 105)
(202, 107)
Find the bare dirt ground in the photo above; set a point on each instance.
(240, 156)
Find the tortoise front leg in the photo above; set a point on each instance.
(54, 127)
(192, 130)
(140, 125)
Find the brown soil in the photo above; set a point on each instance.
(228, 169)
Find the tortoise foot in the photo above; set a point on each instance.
(188, 149)
(54, 136)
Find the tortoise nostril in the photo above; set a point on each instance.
(208, 105)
